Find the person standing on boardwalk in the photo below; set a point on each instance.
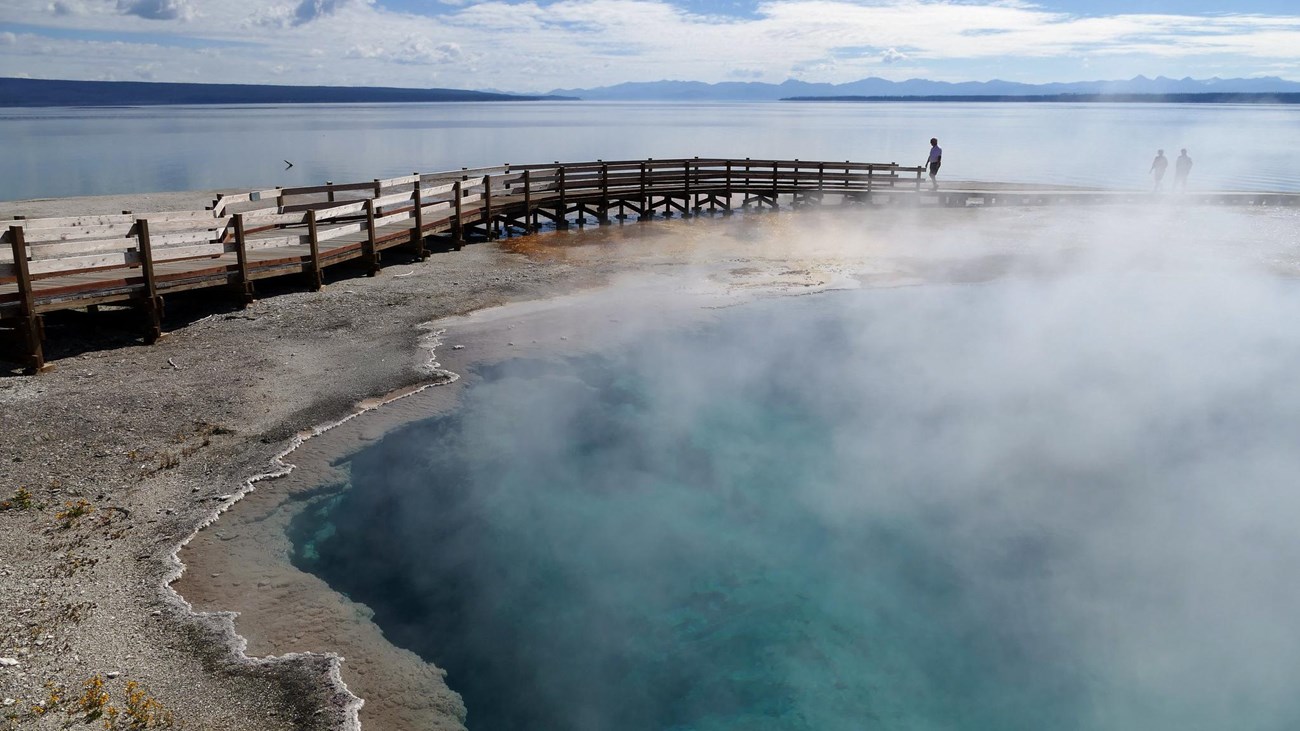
(1158, 166)
(1182, 166)
(936, 158)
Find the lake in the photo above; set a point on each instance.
(50, 152)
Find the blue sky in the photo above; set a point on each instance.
(538, 45)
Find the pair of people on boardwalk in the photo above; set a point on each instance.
(1182, 167)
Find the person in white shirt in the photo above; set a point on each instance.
(1182, 166)
(936, 158)
(1158, 166)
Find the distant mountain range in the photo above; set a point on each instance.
(876, 88)
(58, 93)
(1201, 98)
(53, 92)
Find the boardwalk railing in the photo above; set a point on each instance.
(55, 264)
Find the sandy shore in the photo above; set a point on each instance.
(147, 444)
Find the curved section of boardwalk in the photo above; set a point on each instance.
(66, 263)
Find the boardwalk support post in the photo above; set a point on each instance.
(152, 302)
(457, 232)
(726, 193)
(417, 233)
(30, 324)
(486, 220)
(776, 191)
(689, 205)
(646, 213)
(370, 250)
(562, 213)
(604, 194)
(313, 241)
(242, 286)
(530, 219)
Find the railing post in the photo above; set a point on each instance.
(646, 213)
(457, 233)
(152, 303)
(370, 249)
(726, 193)
(795, 200)
(561, 217)
(487, 206)
(31, 322)
(744, 199)
(530, 219)
(313, 241)
(686, 188)
(776, 192)
(417, 233)
(243, 287)
(604, 194)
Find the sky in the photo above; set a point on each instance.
(539, 45)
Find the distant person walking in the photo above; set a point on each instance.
(1158, 167)
(1182, 166)
(935, 160)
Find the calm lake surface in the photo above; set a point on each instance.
(71, 151)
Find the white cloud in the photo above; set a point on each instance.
(309, 10)
(152, 9)
(522, 45)
(63, 7)
(411, 50)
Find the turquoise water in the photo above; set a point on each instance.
(93, 151)
(1009, 506)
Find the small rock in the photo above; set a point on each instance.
(112, 674)
(8, 702)
(458, 347)
(8, 662)
(222, 497)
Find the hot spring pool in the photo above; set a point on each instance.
(1064, 504)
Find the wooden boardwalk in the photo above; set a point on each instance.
(55, 264)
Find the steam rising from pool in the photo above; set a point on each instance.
(1049, 500)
